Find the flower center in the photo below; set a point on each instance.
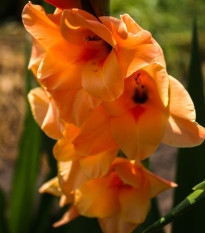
(115, 181)
(140, 95)
(93, 38)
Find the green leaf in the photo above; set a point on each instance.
(191, 161)
(25, 173)
(194, 199)
(48, 7)
(3, 219)
(47, 201)
(200, 186)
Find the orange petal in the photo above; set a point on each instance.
(45, 113)
(103, 79)
(78, 19)
(132, 59)
(75, 105)
(51, 124)
(65, 4)
(66, 199)
(131, 25)
(95, 135)
(135, 204)
(139, 138)
(116, 26)
(96, 198)
(52, 187)
(136, 47)
(181, 129)
(116, 224)
(71, 27)
(64, 101)
(64, 149)
(70, 176)
(159, 74)
(130, 174)
(64, 72)
(37, 54)
(97, 165)
(69, 215)
(181, 104)
(157, 184)
(183, 133)
(41, 26)
(83, 106)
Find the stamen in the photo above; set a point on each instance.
(140, 95)
(93, 38)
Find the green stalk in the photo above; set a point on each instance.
(194, 199)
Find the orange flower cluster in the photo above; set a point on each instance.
(104, 88)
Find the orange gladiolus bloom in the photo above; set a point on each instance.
(154, 108)
(120, 199)
(83, 60)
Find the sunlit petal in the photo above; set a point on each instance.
(97, 165)
(40, 26)
(52, 186)
(45, 113)
(70, 176)
(144, 133)
(181, 128)
(97, 131)
(103, 79)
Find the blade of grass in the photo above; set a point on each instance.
(25, 173)
(191, 161)
(3, 219)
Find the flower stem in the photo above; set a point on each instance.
(188, 203)
(96, 7)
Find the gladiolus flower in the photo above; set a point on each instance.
(93, 57)
(121, 198)
(154, 108)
